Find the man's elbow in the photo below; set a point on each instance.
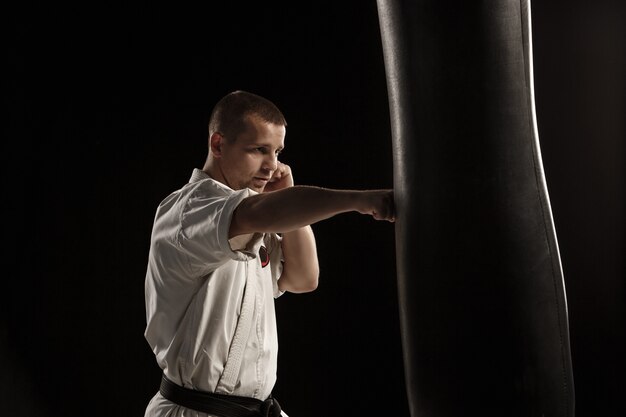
(305, 282)
(310, 283)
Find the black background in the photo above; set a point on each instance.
(106, 108)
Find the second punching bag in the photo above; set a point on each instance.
(482, 300)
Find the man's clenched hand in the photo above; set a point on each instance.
(282, 178)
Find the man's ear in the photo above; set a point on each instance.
(215, 142)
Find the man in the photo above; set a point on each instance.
(222, 247)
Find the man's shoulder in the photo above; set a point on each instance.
(205, 185)
(200, 181)
(206, 188)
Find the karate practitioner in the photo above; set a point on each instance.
(222, 248)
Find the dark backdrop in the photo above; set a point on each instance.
(106, 109)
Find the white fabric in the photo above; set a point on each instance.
(209, 302)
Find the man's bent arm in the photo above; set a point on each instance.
(291, 210)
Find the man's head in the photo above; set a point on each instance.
(229, 114)
(246, 134)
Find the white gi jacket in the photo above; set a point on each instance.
(209, 301)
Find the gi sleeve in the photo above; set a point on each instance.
(205, 223)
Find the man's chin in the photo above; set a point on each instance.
(256, 188)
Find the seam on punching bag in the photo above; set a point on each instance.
(527, 48)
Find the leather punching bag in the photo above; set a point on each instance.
(482, 299)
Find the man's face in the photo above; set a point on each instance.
(251, 159)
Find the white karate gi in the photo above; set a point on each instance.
(210, 301)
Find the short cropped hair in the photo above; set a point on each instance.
(229, 114)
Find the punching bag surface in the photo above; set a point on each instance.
(482, 300)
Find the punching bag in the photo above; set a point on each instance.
(482, 299)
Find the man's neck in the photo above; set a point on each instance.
(214, 171)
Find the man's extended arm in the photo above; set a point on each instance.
(295, 207)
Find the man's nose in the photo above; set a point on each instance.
(271, 162)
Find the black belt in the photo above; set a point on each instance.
(219, 405)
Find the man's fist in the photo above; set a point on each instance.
(281, 178)
(379, 204)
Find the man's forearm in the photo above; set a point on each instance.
(301, 268)
(295, 207)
